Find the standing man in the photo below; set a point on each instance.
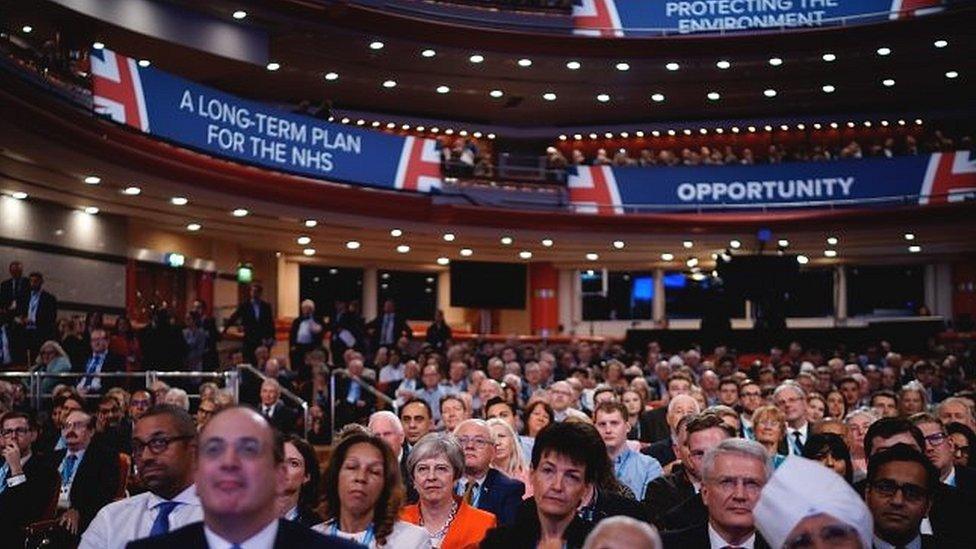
(100, 361)
(240, 465)
(633, 469)
(387, 328)
(792, 401)
(483, 486)
(432, 392)
(305, 335)
(89, 474)
(387, 426)
(164, 450)
(13, 288)
(211, 360)
(256, 319)
(27, 481)
(38, 310)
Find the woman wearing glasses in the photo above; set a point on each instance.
(769, 425)
(51, 359)
(436, 463)
(363, 494)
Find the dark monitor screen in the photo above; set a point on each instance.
(484, 285)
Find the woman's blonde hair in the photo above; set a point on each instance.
(516, 463)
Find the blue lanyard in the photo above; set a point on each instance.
(624, 458)
(367, 537)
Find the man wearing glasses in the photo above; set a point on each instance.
(89, 473)
(482, 486)
(940, 450)
(27, 481)
(164, 450)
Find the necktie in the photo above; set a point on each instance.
(4, 347)
(96, 361)
(469, 492)
(353, 395)
(4, 473)
(798, 446)
(161, 524)
(68, 470)
(267, 411)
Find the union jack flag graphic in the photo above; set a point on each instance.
(596, 18)
(117, 89)
(420, 166)
(594, 190)
(950, 177)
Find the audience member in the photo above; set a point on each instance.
(621, 532)
(279, 415)
(305, 335)
(633, 469)
(100, 361)
(28, 481)
(482, 486)
(417, 419)
(830, 450)
(299, 494)
(255, 317)
(89, 473)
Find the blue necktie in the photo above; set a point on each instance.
(161, 524)
(4, 473)
(68, 470)
(96, 361)
(353, 395)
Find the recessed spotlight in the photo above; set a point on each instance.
(723, 64)
(240, 212)
(688, 244)
(563, 137)
(98, 45)
(331, 76)
(525, 62)
(619, 244)
(603, 98)
(608, 135)
(303, 240)
(769, 92)
(27, 29)
(735, 244)
(273, 66)
(752, 129)
(376, 45)
(667, 256)
(909, 236)
(888, 82)
(132, 190)
(768, 128)
(952, 74)
(830, 253)
(19, 195)
(428, 53)
(657, 97)
(179, 201)
(832, 240)
(549, 96)
(573, 65)
(443, 261)
(389, 83)
(692, 262)
(714, 96)
(448, 237)
(496, 93)
(507, 240)
(833, 125)
(850, 124)
(914, 248)
(466, 252)
(802, 259)
(775, 61)
(622, 66)
(396, 233)
(345, 120)
(828, 88)
(443, 89)
(309, 251)
(703, 131)
(403, 248)
(375, 124)
(353, 245)
(144, 63)
(672, 66)
(239, 14)
(547, 242)
(918, 121)
(311, 223)
(91, 210)
(477, 58)
(93, 180)
(784, 127)
(940, 43)
(525, 254)
(193, 227)
(828, 57)
(883, 51)
(783, 243)
(639, 133)
(591, 256)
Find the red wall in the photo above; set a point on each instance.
(544, 298)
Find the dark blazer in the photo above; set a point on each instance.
(657, 424)
(501, 496)
(696, 537)
(642, 430)
(524, 532)
(400, 329)
(256, 329)
(966, 484)
(938, 542)
(609, 504)
(27, 502)
(290, 534)
(688, 513)
(283, 417)
(438, 335)
(8, 293)
(347, 412)
(96, 481)
(667, 492)
(16, 343)
(662, 451)
(45, 321)
(293, 333)
(112, 363)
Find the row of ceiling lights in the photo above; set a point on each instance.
(408, 127)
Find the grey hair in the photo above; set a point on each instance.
(389, 416)
(609, 527)
(790, 385)
(434, 445)
(480, 423)
(870, 413)
(307, 302)
(179, 398)
(957, 400)
(738, 447)
(678, 397)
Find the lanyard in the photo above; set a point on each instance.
(367, 537)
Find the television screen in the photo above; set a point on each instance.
(484, 285)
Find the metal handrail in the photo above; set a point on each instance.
(301, 402)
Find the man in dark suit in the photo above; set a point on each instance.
(386, 329)
(279, 415)
(13, 351)
(657, 419)
(89, 473)
(940, 450)
(37, 310)
(256, 319)
(29, 481)
(482, 486)
(238, 494)
(305, 335)
(386, 425)
(734, 474)
(99, 361)
(14, 287)
(211, 360)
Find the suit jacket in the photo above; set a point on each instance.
(293, 333)
(96, 481)
(667, 492)
(400, 329)
(283, 417)
(8, 294)
(966, 484)
(256, 329)
(662, 451)
(467, 529)
(290, 534)
(45, 321)
(501, 496)
(112, 363)
(696, 537)
(524, 533)
(347, 412)
(643, 429)
(657, 424)
(27, 502)
(688, 513)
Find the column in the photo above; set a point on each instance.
(659, 302)
(567, 299)
(938, 289)
(840, 294)
(544, 299)
(370, 278)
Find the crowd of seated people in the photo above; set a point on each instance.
(496, 444)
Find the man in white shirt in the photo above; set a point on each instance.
(792, 401)
(164, 450)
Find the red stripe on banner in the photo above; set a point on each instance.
(947, 179)
(417, 167)
(122, 92)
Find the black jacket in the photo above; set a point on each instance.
(283, 417)
(400, 329)
(657, 424)
(45, 322)
(525, 531)
(667, 492)
(696, 537)
(256, 329)
(688, 513)
(501, 496)
(9, 294)
(662, 451)
(26, 503)
(293, 333)
(96, 481)
(290, 534)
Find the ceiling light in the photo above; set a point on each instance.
(591, 256)
(477, 135)
(496, 93)
(832, 240)
(353, 245)
(784, 127)
(775, 61)
(619, 244)
(672, 66)
(563, 137)
(850, 124)
(752, 129)
(525, 62)
(389, 84)
(714, 96)
(667, 256)
(692, 262)
(830, 253)
(723, 64)
(828, 88)
(884, 123)
(390, 125)
(547, 242)
(639, 133)
(768, 128)
(303, 240)
(783, 243)
(144, 63)
(93, 180)
(27, 29)
(549, 96)
(888, 82)
(952, 74)
(19, 195)
(448, 237)
(703, 131)
(802, 259)
(918, 121)
(179, 201)
(477, 58)
(91, 210)
(396, 233)
(375, 123)
(914, 248)
(345, 120)
(687, 244)
(443, 261)
(239, 14)
(376, 45)
(833, 125)
(331, 76)
(507, 240)
(193, 227)
(940, 43)
(98, 45)
(735, 244)
(770, 92)
(466, 252)
(403, 248)
(801, 127)
(909, 236)
(573, 65)
(240, 212)
(443, 89)
(657, 97)
(525, 254)
(608, 135)
(603, 98)
(309, 251)
(311, 223)
(132, 191)
(577, 136)
(828, 57)
(428, 53)
(882, 51)
(623, 66)
(273, 66)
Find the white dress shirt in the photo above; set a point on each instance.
(882, 544)
(132, 518)
(265, 539)
(716, 541)
(404, 534)
(791, 438)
